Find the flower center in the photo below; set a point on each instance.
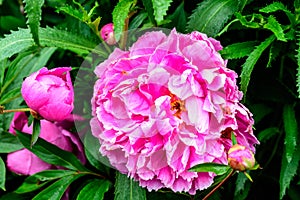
(177, 105)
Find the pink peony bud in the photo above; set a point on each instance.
(240, 158)
(26, 163)
(50, 93)
(107, 34)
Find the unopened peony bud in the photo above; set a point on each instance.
(107, 34)
(241, 158)
(50, 93)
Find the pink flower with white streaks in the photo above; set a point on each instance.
(166, 105)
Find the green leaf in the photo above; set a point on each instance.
(149, 8)
(127, 188)
(42, 178)
(211, 15)
(267, 133)
(298, 67)
(9, 143)
(120, 13)
(233, 139)
(94, 190)
(248, 66)
(241, 187)
(33, 9)
(238, 50)
(91, 149)
(2, 174)
(56, 190)
(160, 8)
(51, 153)
(278, 6)
(274, 26)
(218, 169)
(274, 52)
(21, 40)
(36, 131)
(178, 18)
(10, 95)
(288, 171)
(138, 20)
(252, 23)
(76, 13)
(291, 131)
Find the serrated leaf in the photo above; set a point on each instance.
(274, 53)
(160, 8)
(149, 8)
(248, 66)
(2, 174)
(33, 9)
(267, 133)
(35, 131)
(119, 14)
(298, 68)
(274, 26)
(51, 153)
(9, 143)
(21, 40)
(291, 131)
(252, 23)
(76, 13)
(211, 15)
(56, 190)
(40, 179)
(278, 6)
(238, 50)
(240, 187)
(127, 188)
(288, 171)
(218, 169)
(94, 190)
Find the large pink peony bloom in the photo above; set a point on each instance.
(50, 93)
(26, 163)
(166, 105)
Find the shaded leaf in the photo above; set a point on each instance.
(33, 9)
(288, 171)
(211, 15)
(9, 143)
(278, 6)
(274, 26)
(267, 133)
(36, 131)
(241, 187)
(291, 131)
(51, 153)
(56, 190)
(274, 52)
(127, 188)
(252, 23)
(248, 66)
(218, 169)
(160, 8)
(94, 190)
(238, 50)
(2, 174)
(149, 8)
(298, 63)
(42, 178)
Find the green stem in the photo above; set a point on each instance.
(219, 185)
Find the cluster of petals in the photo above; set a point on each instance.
(166, 105)
(25, 162)
(50, 93)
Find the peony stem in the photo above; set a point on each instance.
(219, 185)
(3, 111)
(124, 36)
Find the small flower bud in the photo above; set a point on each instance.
(240, 158)
(107, 34)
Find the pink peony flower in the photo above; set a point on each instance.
(107, 34)
(50, 93)
(26, 163)
(241, 158)
(166, 105)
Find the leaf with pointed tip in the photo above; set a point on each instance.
(33, 9)
(36, 131)
(278, 6)
(298, 63)
(149, 8)
(160, 8)
(218, 169)
(248, 66)
(274, 26)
